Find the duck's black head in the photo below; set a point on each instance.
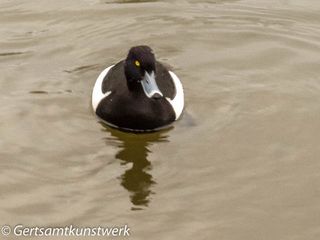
(140, 70)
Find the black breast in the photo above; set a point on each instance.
(127, 109)
(132, 112)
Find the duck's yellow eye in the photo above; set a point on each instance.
(137, 63)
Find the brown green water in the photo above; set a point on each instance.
(242, 163)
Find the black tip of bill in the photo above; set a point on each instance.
(156, 96)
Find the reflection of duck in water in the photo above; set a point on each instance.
(134, 148)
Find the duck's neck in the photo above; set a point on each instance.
(135, 88)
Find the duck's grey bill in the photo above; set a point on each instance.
(150, 86)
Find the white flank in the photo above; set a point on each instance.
(97, 94)
(178, 102)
